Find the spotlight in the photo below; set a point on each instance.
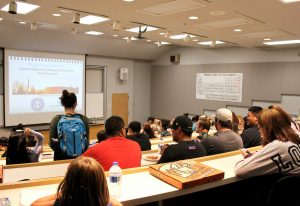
(33, 26)
(167, 34)
(12, 7)
(117, 25)
(76, 18)
(187, 38)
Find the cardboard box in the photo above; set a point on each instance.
(186, 173)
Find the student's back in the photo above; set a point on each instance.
(16, 149)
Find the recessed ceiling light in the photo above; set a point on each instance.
(162, 43)
(162, 33)
(237, 30)
(195, 40)
(65, 11)
(267, 39)
(181, 36)
(132, 38)
(115, 35)
(210, 42)
(128, 0)
(217, 13)
(22, 7)
(56, 14)
(193, 17)
(282, 42)
(92, 19)
(94, 32)
(289, 1)
(136, 29)
(149, 40)
(1, 19)
(22, 22)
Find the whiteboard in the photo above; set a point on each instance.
(219, 86)
(94, 105)
(239, 111)
(290, 103)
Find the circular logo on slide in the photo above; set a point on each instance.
(37, 104)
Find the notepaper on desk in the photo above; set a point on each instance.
(29, 196)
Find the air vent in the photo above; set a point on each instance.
(171, 7)
(262, 34)
(224, 23)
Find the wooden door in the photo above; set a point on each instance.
(120, 106)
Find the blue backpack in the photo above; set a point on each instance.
(72, 135)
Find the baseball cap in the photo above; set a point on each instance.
(224, 115)
(184, 123)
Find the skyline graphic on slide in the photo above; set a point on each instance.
(21, 88)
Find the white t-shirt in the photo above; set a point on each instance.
(275, 157)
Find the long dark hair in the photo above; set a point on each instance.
(84, 184)
(276, 125)
(16, 149)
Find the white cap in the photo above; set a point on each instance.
(224, 115)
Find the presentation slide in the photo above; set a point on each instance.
(34, 82)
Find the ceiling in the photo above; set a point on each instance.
(258, 20)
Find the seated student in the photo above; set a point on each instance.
(203, 127)
(195, 120)
(165, 126)
(134, 129)
(280, 152)
(224, 140)
(84, 184)
(147, 129)
(186, 147)
(101, 136)
(116, 147)
(18, 151)
(3, 145)
(251, 136)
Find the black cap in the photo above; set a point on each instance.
(184, 123)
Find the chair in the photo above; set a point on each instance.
(285, 192)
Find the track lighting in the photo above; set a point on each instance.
(213, 44)
(76, 18)
(167, 34)
(187, 38)
(12, 7)
(117, 25)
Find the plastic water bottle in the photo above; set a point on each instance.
(115, 179)
(160, 145)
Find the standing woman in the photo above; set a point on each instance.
(280, 151)
(69, 102)
(84, 185)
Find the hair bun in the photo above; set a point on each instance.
(65, 92)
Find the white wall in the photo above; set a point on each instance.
(192, 56)
(141, 91)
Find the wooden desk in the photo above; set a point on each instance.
(138, 185)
